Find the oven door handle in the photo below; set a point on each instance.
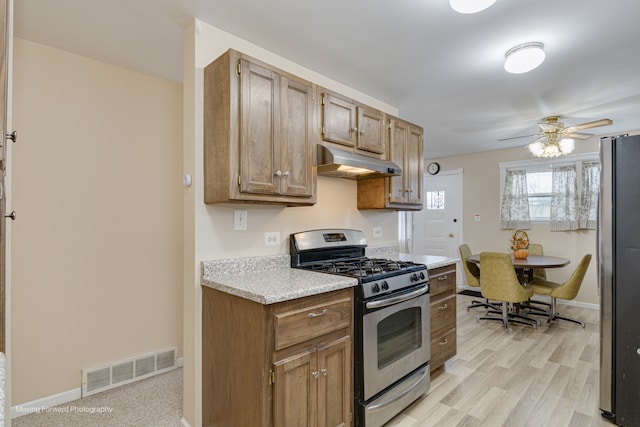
(423, 375)
(400, 298)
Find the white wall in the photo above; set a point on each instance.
(97, 245)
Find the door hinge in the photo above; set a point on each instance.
(323, 99)
(238, 68)
(322, 130)
(272, 377)
(238, 180)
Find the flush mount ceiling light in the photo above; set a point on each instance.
(524, 57)
(470, 6)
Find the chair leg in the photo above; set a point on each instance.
(485, 303)
(507, 317)
(553, 315)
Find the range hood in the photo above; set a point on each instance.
(345, 164)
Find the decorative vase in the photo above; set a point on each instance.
(521, 253)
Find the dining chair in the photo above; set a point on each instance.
(472, 273)
(536, 249)
(566, 291)
(499, 282)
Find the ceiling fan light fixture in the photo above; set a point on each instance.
(470, 6)
(551, 148)
(524, 57)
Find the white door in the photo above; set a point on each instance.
(437, 229)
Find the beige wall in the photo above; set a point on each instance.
(97, 246)
(481, 192)
(211, 232)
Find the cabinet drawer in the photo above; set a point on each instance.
(443, 348)
(443, 315)
(442, 279)
(300, 325)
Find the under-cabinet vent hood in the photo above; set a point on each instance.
(345, 164)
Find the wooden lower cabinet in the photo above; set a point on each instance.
(285, 364)
(313, 388)
(442, 281)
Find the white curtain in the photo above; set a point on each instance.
(564, 199)
(589, 195)
(514, 211)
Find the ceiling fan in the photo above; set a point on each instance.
(556, 140)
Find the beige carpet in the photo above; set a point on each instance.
(152, 402)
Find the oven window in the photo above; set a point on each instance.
(398, 335)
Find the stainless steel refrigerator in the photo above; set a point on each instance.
(619, 279)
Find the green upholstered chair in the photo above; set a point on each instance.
(498, 282)
(566, 291)
(472, 273)
(536, 249)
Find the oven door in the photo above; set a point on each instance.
(395, 338)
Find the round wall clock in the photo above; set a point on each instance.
(433, 168)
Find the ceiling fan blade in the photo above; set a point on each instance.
(516, 137)
(577, 135)
(589, 125)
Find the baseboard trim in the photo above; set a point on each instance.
(46, 402)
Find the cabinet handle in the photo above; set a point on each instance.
(315, 374)
(354, 129)
(443, 342)
(324, 371)
(312, 315)
(278, 173)
(361, 133)
(286, 174)
(443, 307)
(441, 278)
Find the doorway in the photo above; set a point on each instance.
(438, 227)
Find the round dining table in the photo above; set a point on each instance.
(529, 263)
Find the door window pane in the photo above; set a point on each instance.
(435, 199)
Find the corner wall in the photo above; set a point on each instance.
(97, 243)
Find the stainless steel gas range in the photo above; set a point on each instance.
(391, 342)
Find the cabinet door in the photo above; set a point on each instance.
(259, 129)
(413, 166)
(334, 387)
(371, 136)
(398, 140)
(339, 120)
(296, 390)
(297, 137)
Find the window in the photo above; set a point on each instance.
(539, 193)
(435, 199)
(559, 191)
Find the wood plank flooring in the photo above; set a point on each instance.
(544, 377)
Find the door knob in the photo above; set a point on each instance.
(11, 215)
(450, 234)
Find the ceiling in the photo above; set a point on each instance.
(442, 70)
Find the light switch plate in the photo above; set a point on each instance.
(239, 219)
(377, 231)
(272, 238)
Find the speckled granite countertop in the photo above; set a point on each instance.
(269, 279)
(431, 261)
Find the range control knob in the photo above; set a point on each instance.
(375, 288)
(414, 277)
(385, 286)
(421, 275)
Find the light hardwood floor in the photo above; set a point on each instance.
(544, 377)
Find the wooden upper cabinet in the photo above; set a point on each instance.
(353, 125)
(259, 143)
(402, 192)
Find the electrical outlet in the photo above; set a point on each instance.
(377, 231)
(272, 238)
(239, 219)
